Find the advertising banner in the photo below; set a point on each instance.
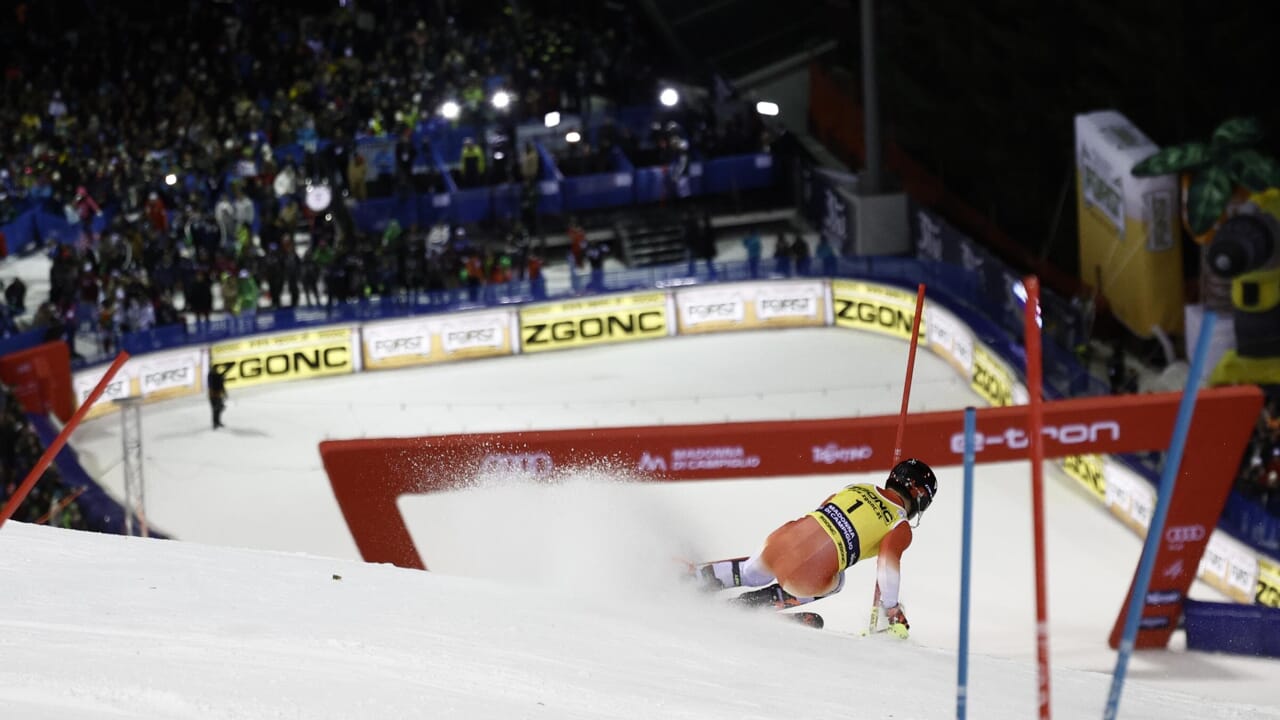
(1231, 567)
(422, 341)
(1128, 496)
(1088, 470)
(167, 375)
(40, 378)
(935, 239)
(594, 321)
(991, 379)
(748, 307)
(155, 376)
(121, 386)
(949, 338)
(1129, 233)
(291, 356)
(877, 308)
(1268, 583)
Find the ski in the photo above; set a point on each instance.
(772, 596)
(808, 619)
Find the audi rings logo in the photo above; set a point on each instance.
(1177, 535)
(535, 463)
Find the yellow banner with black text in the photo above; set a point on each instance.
(595, 321)
(292, 356)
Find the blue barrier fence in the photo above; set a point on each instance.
(559, 194)
(623, 186)
(37, 223)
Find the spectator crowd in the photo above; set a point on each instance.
(156, 135)
(51, 501)
(1260, 471)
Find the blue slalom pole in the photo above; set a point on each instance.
(966, 550)
(1168, 477)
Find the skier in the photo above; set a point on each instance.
(805, 559)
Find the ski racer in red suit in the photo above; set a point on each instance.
(805, 559)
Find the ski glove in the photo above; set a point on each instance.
(898, 624)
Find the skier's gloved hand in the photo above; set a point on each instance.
(898, 624)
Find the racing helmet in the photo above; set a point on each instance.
(914, 480)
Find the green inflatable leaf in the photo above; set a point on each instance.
(1237, 132)
(1253, 170)
(1207, 198)
(1176, 159)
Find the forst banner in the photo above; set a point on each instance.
(595, 321)
(422, 341)
(1130, 247)
(751, 307)
(155, 376)
(291, 356)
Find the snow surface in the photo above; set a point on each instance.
(558, 600)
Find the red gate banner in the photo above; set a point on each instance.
(368, 476)
(41, 379)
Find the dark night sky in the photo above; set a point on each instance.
(984, 93)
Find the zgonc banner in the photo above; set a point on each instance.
(595, 321)
(291, 356)
(878, 308)
(421, 341)
(750, 307)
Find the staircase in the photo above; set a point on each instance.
(651, 242)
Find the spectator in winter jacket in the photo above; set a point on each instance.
(827, 256)
(752, 243)
(596, 253)
(247, 294)
(217, 395)
(16, 296)
(245, 211)
(157, 214)
(800, 249)
(577, 242)
(200, 298)
(310, 272)
(357, 171)
(230, 286)
(782, 255)
(142, 315)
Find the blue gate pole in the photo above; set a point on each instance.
(966, 551)
(1168, 476)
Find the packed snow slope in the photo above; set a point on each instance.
(112, 627)
(560, 594)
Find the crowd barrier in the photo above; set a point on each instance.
(37, 224)
(560, 194)
(882, 303)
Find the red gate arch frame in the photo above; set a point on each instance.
(369, 475)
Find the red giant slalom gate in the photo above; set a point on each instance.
(368, 476)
